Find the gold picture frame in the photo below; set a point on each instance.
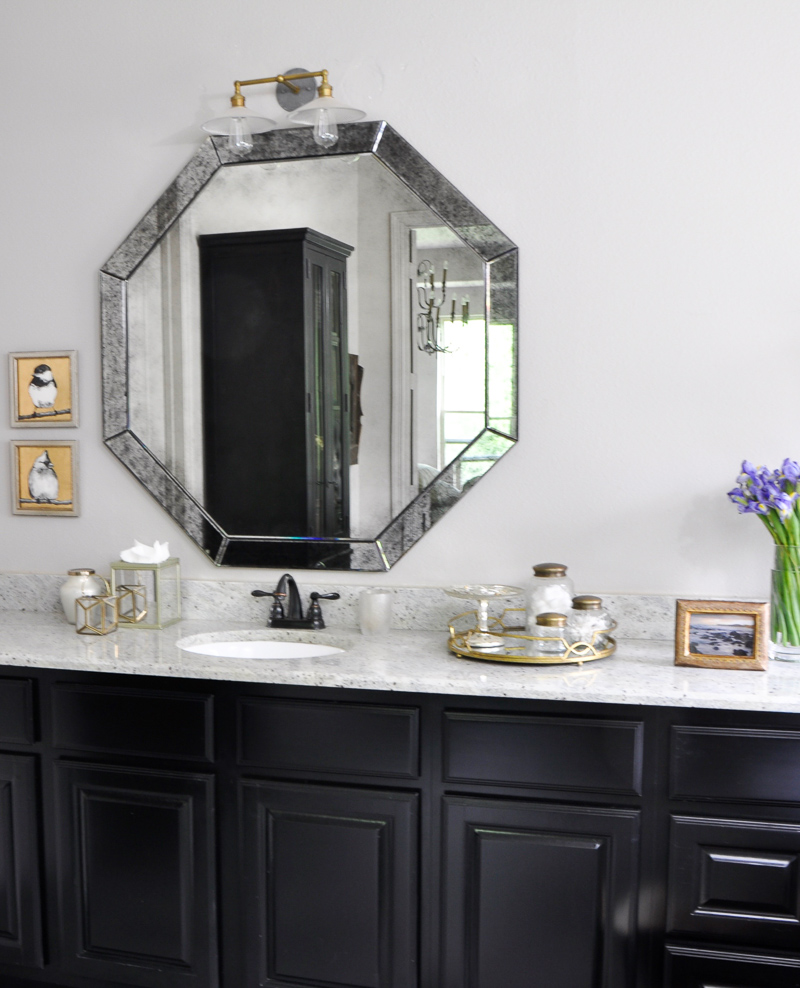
(43, 387)
(44, 477)
(722, 634)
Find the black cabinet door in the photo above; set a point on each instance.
(538, 895)
(20, 905)
(136, 889)
(330, 885)
(699, 967)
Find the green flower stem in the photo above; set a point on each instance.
(786, 587)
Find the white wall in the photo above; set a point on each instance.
(645, 156)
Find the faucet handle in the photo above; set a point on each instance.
(314, 615)
(276, 611)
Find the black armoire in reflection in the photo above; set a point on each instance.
(275, 368)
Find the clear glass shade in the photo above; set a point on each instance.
(238, 118)
(337, 112)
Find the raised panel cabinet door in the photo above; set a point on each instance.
(538, 895)
(330, 886)
(699, 967)
(136, 887)
(20, 903)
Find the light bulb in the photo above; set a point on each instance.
(326, 133)
(239, 136)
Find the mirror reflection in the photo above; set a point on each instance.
(308, 351)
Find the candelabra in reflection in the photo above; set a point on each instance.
(431, 300)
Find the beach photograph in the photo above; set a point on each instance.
(722, 634)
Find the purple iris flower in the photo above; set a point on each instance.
(791, 470)
(740, 498)
(783, 504)
(773, 494)
(756, 508)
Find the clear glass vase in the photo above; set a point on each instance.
(785, 604)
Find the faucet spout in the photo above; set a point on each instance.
(287, 611)
(292, 608)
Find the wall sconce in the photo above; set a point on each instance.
(323, 113)
(430, 303)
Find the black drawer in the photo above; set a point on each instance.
(697, 967)
(735, 764)
(16, 711)
(316, 736)
(735, 880)
(156, 723)
(544, 752)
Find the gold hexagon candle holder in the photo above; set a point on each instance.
(96, 615)
(132, 603)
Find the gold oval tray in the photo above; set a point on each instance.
(512, 642)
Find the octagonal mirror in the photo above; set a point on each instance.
(309, 355)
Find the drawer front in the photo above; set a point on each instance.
(16, 711)
(735, 880)
(315, 736)
(735, 765)
(544, 752)
(154, 723)
(694, 967)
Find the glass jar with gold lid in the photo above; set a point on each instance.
(551, 629)
(586, 619)
(550, 589)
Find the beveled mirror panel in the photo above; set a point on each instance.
(280, 370)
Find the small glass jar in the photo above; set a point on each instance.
(586, 617)
(549, 590)
(551, 628)
(80, 583)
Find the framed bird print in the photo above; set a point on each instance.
(44, 477)
(44, 389)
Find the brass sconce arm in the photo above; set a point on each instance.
(324, 88)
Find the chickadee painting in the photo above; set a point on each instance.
(42, 388)
(43, 480)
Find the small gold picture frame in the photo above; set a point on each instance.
(44, 477)
(43, 386)
(722, 634)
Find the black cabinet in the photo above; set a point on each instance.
(329, 889)
(698, 967)
(136, 875)
(538, 894)
(20, 905)
(160, 833)
(732, 893)
(276, 372)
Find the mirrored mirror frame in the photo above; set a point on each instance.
(497, 252)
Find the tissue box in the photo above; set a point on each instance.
(162, 583)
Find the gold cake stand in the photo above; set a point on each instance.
(516, 647)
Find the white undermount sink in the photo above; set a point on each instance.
(260, 649)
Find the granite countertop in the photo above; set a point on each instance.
(640, 672)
